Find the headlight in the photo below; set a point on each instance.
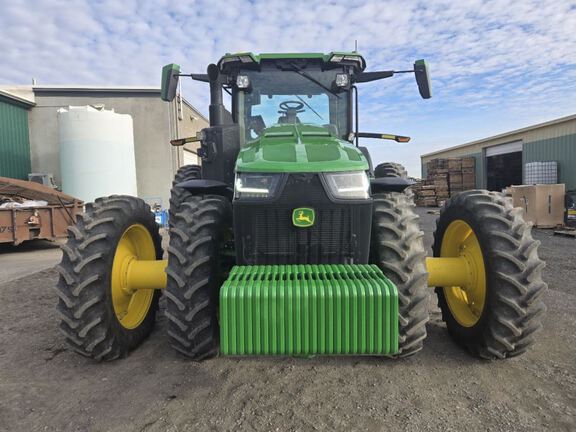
(256, 185)
(348, 185)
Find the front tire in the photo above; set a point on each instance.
(98, 318)
(195, 274)
(499, 313)
(398, 249)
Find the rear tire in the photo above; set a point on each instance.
(187, 172)
(398, 249)
(178, 194)
(390, 169)
(195, 274)
(85, 306)
(512, 307)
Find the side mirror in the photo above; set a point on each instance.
(170, 76)
(422, 72)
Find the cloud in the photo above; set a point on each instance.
(496, 65)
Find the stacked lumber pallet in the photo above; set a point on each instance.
(425, 194)
(445, 178)
(468, 173)
(451, 176)
(455, 175)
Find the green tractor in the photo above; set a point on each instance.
(286, 241)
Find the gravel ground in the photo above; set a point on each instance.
(44, 386)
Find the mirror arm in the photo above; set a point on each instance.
(397, 138)
(372, 76)
(200, 136)
(196, 77)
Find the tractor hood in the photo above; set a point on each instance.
(299, 148)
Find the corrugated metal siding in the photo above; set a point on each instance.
(560, 149)
(14, 141)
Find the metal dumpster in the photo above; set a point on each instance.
(19, 223)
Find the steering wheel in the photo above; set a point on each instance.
(291, 106)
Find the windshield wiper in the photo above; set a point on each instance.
(312, 109)
(300, 72)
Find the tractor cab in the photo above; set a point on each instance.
(289, 113)
(274, 89)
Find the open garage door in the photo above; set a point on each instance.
(504, 166)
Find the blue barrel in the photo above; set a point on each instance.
(161, 217)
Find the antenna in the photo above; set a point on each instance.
(355, 45)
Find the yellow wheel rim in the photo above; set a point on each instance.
(465, 302)
(131, 306)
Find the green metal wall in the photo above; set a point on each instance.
(560, 149)
(14, 141)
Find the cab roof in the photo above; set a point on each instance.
(331, 57)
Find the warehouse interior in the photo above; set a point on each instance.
(503, 166)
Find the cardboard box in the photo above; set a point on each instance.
(543, 204)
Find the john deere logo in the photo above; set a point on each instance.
(303, 217)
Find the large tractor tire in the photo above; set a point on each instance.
(398, 249)
(99, 318)
(196, 270)
(187, 172)
(178, 194)
(390, 169)
(498, 313)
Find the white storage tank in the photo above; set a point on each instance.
(96, 153)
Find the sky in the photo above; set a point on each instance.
(496, 65)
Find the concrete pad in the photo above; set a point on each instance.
(27, 258)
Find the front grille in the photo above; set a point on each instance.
(265, 233)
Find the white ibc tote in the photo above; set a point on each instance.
(96, 153)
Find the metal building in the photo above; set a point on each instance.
(29, 136)
(501, 159)
(14, 139)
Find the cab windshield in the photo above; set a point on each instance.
(291, 97)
